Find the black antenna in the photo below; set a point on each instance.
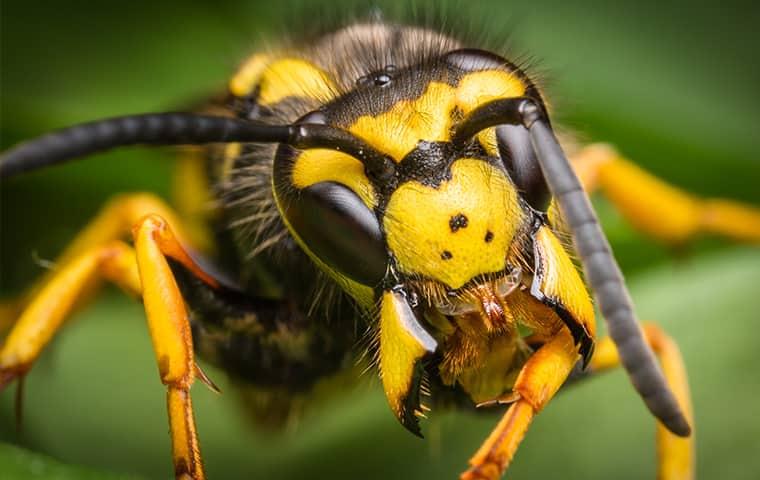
(180, 129)
(602, 271)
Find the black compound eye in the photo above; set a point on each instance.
(474, 60)
(340, 230)
(520, 160)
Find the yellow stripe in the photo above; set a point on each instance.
(397, 131)
(399, 353)
(561, 280)
(479, 88)
(429, 117)
(321, 165)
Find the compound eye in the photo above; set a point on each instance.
(474, 60)
(339, 229)
(520, 160)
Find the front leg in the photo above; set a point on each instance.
(142, 271)
(540, 378)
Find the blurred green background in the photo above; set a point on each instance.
(673, 86)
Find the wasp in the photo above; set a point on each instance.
(419, 177)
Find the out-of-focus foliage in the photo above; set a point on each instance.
(674, 86)
(109, 413)
(19, 463)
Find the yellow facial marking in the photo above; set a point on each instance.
(429, 117)
(282, 78)
(321, 165)
(479, 88)
(397, 131)
(457, 231)
(561, 280)
(400, 349)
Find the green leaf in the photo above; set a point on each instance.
(19, 464)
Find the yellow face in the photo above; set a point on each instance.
(448, 231)
(457, 230)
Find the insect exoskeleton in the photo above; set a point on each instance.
(418, 174)
(423, 214)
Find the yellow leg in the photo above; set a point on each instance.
(675, 454)
(141, 271)
(116, 219)
(657, 208)
(540, 378)
(113, 222)
(46, 312)
(170, 332)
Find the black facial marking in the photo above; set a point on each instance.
(489, 236)
(446, 255)
(457, 221)
(429, 163)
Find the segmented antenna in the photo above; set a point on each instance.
(181, 129)
(601, 269)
